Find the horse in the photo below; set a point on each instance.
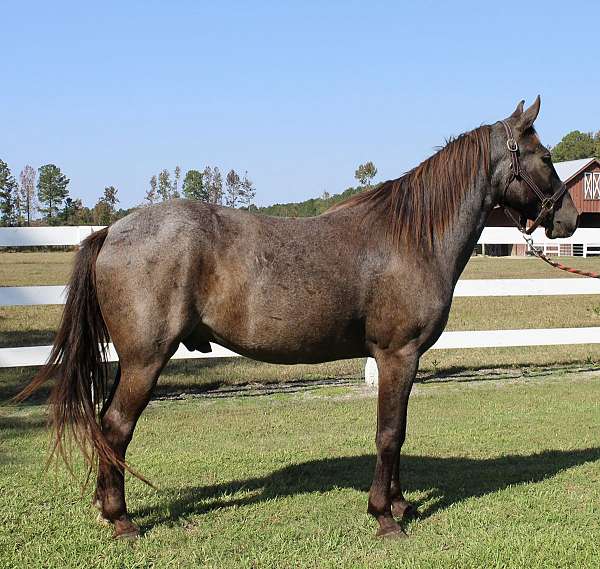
(372, 276)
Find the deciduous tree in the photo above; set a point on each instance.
(213, 182)
(27, 193)
(233, 186)
(151, 194)
(365, 173)
(105, 208)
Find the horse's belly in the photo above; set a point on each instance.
(293, 342)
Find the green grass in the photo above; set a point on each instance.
(506, 474)
(524, 268)
(502, 452)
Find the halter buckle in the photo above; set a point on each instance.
(548, 204)
(512, 145)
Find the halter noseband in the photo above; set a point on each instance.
(517, 173)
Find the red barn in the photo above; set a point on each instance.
(582, 178)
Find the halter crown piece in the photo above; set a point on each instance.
(517, 173)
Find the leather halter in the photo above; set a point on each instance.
(517, 173)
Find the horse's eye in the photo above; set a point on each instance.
(547, 158)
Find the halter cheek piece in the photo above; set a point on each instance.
(517, 173)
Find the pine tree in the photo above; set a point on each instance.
(52, 191)
(576, 145)
(72, 212)
(247, 191)
(176, 176)
(193, 186)
(164, 185)
(9, 207)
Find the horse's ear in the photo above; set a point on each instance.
(528, 117)
(518, 111)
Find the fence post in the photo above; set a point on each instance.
(371, 373)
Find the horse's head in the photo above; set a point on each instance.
(529, 182)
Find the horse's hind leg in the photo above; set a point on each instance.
(396, 375)
(118, 423)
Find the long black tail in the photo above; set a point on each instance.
(77, 359)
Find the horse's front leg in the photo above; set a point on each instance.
(401, 507)
(396, 375)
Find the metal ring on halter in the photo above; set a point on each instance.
(548, 204)
(512, 145)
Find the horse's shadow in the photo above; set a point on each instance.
(443, 481)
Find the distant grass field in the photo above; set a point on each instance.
(506, 475)
(53, 268)
(30, 269)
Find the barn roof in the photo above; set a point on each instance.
(566, 170)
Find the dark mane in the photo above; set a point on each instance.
(421, 204)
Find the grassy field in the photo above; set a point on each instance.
(29, 269)
(506, 474)
(502, 453)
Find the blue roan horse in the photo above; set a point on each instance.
(373, 276)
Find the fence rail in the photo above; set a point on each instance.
(38, 355)
(38, 295)
(46, 236)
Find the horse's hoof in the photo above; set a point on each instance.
(126, 530)
(391, 533)
(404, 510)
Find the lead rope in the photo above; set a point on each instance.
(542, 256)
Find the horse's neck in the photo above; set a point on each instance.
(458, 242)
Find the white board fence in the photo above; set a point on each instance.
(38, 295)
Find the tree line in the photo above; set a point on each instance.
(42, 196)
(576, 145)
(45, 191)
(205, 186)
(364, 175)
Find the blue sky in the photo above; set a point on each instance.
(297, 93)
